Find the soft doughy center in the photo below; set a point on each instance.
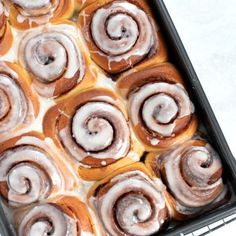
(132, 209)
(92, 133)
(162, 108)
(122, 28)
(49, 59)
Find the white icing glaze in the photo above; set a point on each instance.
(36, 123)
(52, 42)
(105, 82)
(48, 143)
(120, 41)
(26, 181)
(104, 163)
(13, 103)
(189, 170)
(47, 219)
(122, 30)
(134, 212)
(165, 109)
(99, 131)
(37, 11)
(154, 141)
(103, 125)
(31, 4)
(160, 110)
(20, 18)
(51, 52)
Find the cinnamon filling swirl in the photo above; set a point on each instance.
(27, 175)
(13, 103)
(122, 34)
(51, 54)
(164, 109)
(47, 219)
(36, 8)
(130, 204)
(98, 129)
(193, 174)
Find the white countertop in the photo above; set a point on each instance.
(208, 31)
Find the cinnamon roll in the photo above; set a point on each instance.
(121, 34)
(25, 14)
(160, 110)
(92, 128)
(129, 202)
(193, 174)
(6, 37)
(18, 104)
(30, 171)
(53, 56)
(64, 216)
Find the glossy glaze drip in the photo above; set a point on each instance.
(122, 30)
(193, 175)
(51, 53)
(13, 103)
(132, 201)
(37, 11)
(30, 174)
(159, 106)
(99, 129)
(47, 219)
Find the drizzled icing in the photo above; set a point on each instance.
(51, 53)
(30, 174)
(31, 4)
(160, 106)
(47, 219)
(47, 144)
(193, 175)
(13, 103)
(37, 11)
(129, 194)
(122, 30)
(99, 130)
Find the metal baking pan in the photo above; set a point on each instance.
(224, 214)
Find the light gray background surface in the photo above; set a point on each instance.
(208, 31)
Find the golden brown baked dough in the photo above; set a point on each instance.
(92, 128)
(160, 109)
(192, 173)
(121, 34)
(6, 37)
(18, 103)
(54, 56)
(24, 14)
(94, 97)
(129, 202)
(63, 216)
(32, 170)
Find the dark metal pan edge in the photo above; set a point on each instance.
(174, 42)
